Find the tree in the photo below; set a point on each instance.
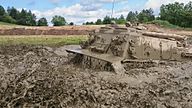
(132, 17)
(14, 13)
(98, 22)
(26, 18)
(187, 15)
(30, 18)
(107, 20)
(172, 12)
(121, 20)
(42, 22)
(71, 23)
(58, 21)
(22, 18)
(2, 11)
(89, 23)
(8, 19)
(177, 14)
(122, 17)
(188, 7)
(146, 15)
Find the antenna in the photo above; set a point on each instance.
(113, 5)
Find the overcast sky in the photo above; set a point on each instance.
(79, 11)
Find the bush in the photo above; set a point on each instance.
(58, 21)
(71, 23)
(146, 15)
(163, 23)
(8, 19)
(42, 22)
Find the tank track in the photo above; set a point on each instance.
(89, 62)
(132, 64)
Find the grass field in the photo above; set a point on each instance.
(4, 25)
(162, 23)
(42, 40)
(50, 40)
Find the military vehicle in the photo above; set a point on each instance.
(118, 49)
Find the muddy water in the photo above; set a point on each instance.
(41, 77)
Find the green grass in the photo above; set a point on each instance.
(42, 40)
(4, 25)
(7, 24)
(162, 23)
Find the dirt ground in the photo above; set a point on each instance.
(156, 28)
(42, 77)
(78, 30)
(63, 30)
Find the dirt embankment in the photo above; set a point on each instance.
(23, 31)
(78, 30)
(39, 76)
(156, 28)
(66, 30)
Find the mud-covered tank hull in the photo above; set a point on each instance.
(96, 61)
(121, 49)
(106, 62)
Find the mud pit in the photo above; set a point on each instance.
(41, 77)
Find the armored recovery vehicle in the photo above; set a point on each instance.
(113, 48)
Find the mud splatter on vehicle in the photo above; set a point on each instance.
(119, 49)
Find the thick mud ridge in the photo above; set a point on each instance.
(41, 77)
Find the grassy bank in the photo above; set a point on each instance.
(4, 25)
(164, 24)
(42, 40)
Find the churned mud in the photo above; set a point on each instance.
(42, 77)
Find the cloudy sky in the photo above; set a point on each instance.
(79, 11)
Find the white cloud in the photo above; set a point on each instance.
(100, 1)
(74, 13)
(91, 10)
(87, 10)
(156, 4)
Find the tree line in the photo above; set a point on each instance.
(145, 15)
(24, 17)
(179, 14)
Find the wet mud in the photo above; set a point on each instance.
(42, 77)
